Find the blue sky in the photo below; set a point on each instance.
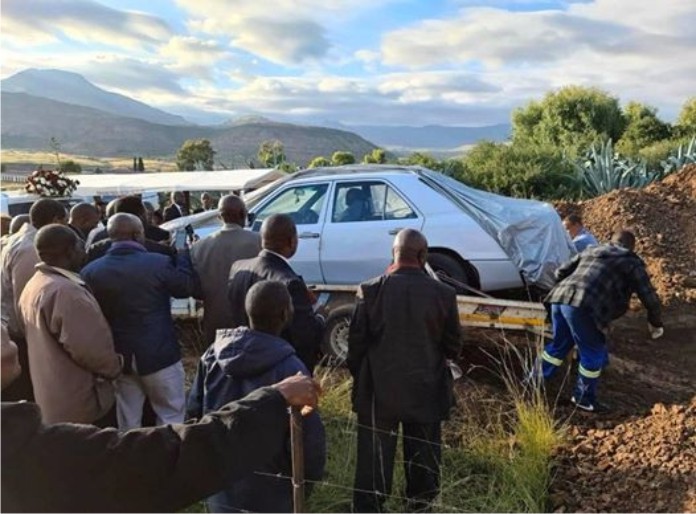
(408, 62)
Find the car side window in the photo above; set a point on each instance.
(368, 201)
(302, 203)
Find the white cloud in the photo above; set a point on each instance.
(36, 22)
(191, 56)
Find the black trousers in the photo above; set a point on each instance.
(375, 467)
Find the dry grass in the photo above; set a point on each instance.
(24, 158)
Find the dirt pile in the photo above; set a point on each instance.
(647, 464)
(663, 217)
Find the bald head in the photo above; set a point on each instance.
(279, 234)
(624, 238)
(84, 217)
(18, 222)
(59, 246)
(232, 210)
(47, 211)
(125, 227)
(268, 306)
(410, 247)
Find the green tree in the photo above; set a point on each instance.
(571, 118)
(195, 154)
(341, 158)
(643, 128)
(376, 156)
(421, 159)
(69, 166)
(141, 164)
(271, 153)
(686, 122)
(518, 169)
(319, 162)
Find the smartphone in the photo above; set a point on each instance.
(180, 239)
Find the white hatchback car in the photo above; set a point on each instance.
(347, 217)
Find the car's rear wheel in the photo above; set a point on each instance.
(448, 266)
(335, 342)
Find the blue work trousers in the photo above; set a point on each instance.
(574, 326)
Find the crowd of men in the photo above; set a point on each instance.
(86, 317)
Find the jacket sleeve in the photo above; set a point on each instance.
(567, 269)
(646, 292)
(180, 279)
(80, 327)
(452, 333)
(306, 328)
(161, 469)
(358, 334)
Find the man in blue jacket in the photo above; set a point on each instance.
(134, 289)
(240, 361)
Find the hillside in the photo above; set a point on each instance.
(73, 88)
(431, 136)
(28, 122)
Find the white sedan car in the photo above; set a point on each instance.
(347, 218)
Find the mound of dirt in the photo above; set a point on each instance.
(663, 217)
(646, 464)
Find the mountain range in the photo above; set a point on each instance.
(88, 120)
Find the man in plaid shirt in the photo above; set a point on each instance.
(593, 289)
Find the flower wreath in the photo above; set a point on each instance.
(50, 183)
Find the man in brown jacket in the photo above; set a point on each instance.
(71, 350)
(212, 258)
(18, 261)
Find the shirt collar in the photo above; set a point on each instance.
(279, 256)
(232, 226)
(70, 275)
(128, 244)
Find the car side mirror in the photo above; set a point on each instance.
(251, 217)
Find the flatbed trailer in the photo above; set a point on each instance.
(474, 311)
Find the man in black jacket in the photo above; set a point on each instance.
(279, 243)
(404, 328)
(177, 208)
(81, 468)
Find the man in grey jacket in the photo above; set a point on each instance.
(212, 258)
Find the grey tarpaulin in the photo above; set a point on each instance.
(529, 231)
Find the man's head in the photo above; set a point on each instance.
(131, 204)
(624, 238)
(46, 211)
(573, 224)
(18, 222)
(410, 247)
(110, 208)
(206, 201)
(268, 306)
(9, 358)
(59, 246)
(232, 210)
(84, 217)
(177, 197)
(279, 234)
(125, 227)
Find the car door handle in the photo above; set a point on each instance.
(309, 235)
(395, 231)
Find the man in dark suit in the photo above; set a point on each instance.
(84, 218)
(177, 209)
(279, 243)
(213, 257)
(404, 328)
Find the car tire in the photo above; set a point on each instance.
(334, 344)
(449, 266)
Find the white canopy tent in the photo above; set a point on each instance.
(137, 183)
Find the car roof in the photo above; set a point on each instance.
(351, 170)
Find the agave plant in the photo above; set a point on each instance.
(682, 157)
(603, 170)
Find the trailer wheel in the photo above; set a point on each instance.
(335, 342)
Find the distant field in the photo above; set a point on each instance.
(21, 160)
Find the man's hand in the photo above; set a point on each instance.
(656, 332)
(300, 391)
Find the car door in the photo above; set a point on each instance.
(362, 220)
(305, 204)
